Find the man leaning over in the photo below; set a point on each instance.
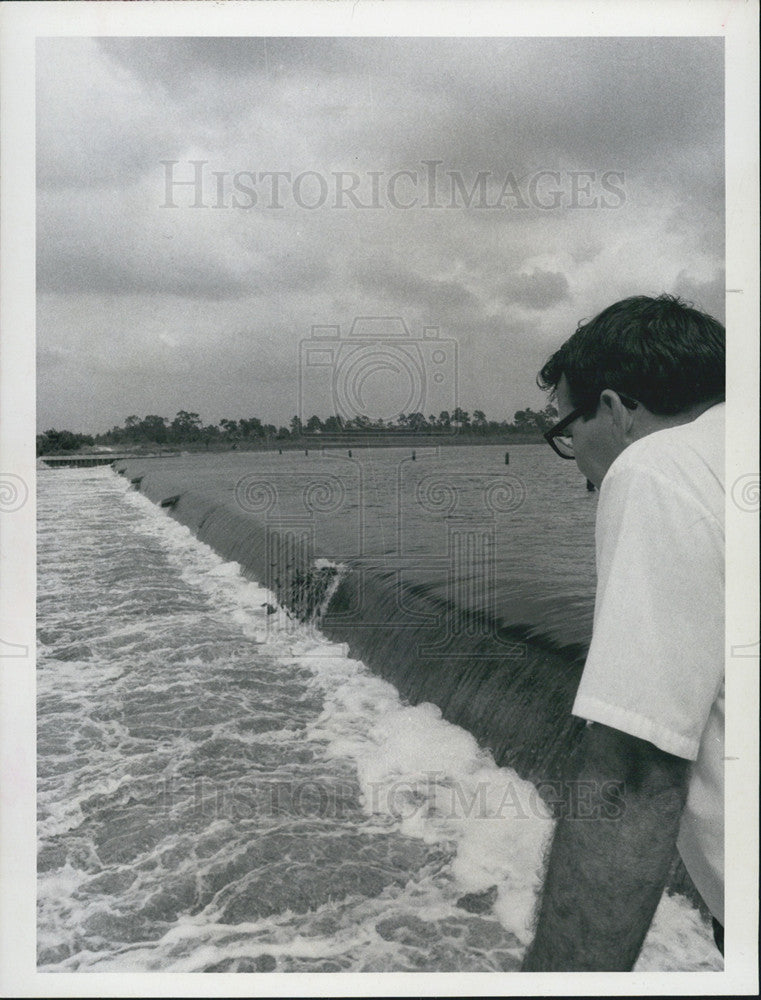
(640, 394)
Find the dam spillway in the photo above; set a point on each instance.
(416, 560)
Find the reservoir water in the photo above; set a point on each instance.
(222, 788)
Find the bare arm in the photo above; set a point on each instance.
(606, 875)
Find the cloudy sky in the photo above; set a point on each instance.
(495, 190)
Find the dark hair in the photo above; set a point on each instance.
(661, 352)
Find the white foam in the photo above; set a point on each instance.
(679, 938)
(434, 781)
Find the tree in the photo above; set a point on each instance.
(186, 426)
(522, 420)
(296, 428)
(154, 428)
(209, 434)
(314, 424)
(546, 418)
(251, 428)
(479, 421)
(334, 424)
(528, 421)
(360, 422)
(416, 422)
(115, 435)
(132, 431)
(230, 428)
(54, 441)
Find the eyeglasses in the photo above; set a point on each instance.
(562, 442)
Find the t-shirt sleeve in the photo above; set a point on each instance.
(656, 660)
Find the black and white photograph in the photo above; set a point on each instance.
(386, 564)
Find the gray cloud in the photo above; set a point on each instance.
(708, 296)
(153, 307)
(89, 246)
(486, 104)
(82, 269)
(538, 290)
(404, 287)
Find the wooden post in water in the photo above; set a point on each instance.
(507, 458)
(413, 454)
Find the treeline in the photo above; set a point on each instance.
(54, 441)
(187, 428)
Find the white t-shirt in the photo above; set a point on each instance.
(655, 668)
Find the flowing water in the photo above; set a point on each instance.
(221, 788)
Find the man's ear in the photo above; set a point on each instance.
(621, 416)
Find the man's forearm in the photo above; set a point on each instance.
(606, 875)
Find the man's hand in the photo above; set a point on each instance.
(610, 855)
